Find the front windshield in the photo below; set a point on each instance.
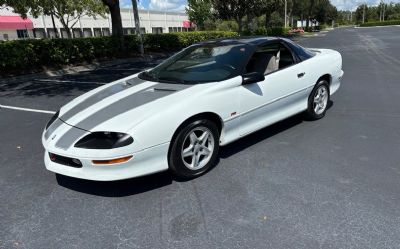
(202, 63)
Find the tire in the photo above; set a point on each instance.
(318, 101)
(192, 155)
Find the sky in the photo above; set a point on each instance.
(179, 5)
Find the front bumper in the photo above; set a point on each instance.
(144, 162)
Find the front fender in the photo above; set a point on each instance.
(220, 98)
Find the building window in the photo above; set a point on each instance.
(77, 33)
(52, 33)
(106, 32)
(22, 33)
(97, 32)
(5, 37)
(157, 30)
(39, 33)
(128, 31)
(87, 32)
(64, 33)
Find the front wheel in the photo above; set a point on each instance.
(194, 149)
(318, 101)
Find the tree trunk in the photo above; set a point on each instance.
(240, 24)
(267, 19)
(116, 21)
(308, 23)
(66, 27)
(137, 26)
(54, 25)
(249, 22)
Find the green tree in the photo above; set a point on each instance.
(199, 11)
(68, 12)
(360, 13)
(234, 9)
(267, 7)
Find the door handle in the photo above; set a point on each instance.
(300, 75)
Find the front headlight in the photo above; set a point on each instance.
(104, 140)
(55, 116)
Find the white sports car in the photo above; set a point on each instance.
(176, 115)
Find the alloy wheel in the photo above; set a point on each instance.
(198, 148)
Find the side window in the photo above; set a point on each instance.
(265, 59)
(285, 57)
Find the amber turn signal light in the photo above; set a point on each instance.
(112, 161)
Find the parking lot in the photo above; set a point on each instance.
(333, 183)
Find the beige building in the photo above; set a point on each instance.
(14, 27)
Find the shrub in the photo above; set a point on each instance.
(271, 31)
(384, 23)
(175, 41)
(227, 26)
(30, 54)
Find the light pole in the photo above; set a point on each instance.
(383, 14)
(364, 13)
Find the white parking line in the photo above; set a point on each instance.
(26, 109)
(69, 81)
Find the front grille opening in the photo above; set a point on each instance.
(72, 162)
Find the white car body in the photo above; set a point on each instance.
(242, 109)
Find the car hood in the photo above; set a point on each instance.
(119, 106)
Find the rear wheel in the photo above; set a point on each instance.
(318, 101)
(194, 149)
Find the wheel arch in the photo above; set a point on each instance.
(204, 115)
(326, 77)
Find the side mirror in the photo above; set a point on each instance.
(253, 77)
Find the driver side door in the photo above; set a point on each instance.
(278, 96)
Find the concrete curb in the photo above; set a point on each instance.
(383, 26)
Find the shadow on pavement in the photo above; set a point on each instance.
(258, 136)
(265, 133)
(116, 188)
(72, 84)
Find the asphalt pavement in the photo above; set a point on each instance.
(332, 183)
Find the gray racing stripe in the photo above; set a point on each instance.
(123, 105)
(54, 126)
(107, 92)
(70, 137)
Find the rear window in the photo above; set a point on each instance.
(302, 53)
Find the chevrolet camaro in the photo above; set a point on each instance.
(176, 115)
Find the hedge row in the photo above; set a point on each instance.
(272, 31)
(384, 23)
(173, 41)
(30, 54)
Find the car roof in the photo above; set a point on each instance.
(251, 40)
